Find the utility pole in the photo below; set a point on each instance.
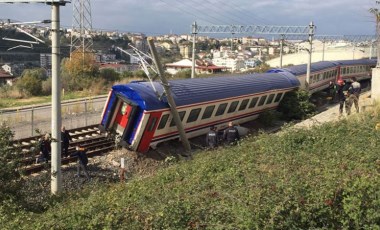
(375, 92)
(311, 34)
(173, 106)
(281, 48)
(56, 176)
(323, 48)
(194, 32)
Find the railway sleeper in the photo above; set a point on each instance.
(35, 168)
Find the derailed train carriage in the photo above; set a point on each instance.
(143, 120)
(324, 72)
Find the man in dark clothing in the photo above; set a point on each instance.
(332, 92)
(212, 138)
(45, 147)
(231, 134)
(341, 95)
(354, 93)
(82, 161)
(65, 138)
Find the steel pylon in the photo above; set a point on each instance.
(81, 35)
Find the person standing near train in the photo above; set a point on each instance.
(45, 147)
(65, 139)
(212, 138)
(353, 98)
(82, 161)
(341, 95)
(231, 134)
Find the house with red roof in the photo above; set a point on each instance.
(6, 78)
(201, 67)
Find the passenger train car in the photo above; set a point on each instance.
(139, 113)
(324, 72)
(142, 119)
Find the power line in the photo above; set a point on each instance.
(186, 11)
(217, 20)
(212, 8)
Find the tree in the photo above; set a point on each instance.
(9, 167)
(183, 74)
(79, 72)
(30, 83)
(296, 105)
(110, 75)
(127, 74)
(81, 65)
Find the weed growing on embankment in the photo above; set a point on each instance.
(327, 177)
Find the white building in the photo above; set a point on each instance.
(233, 64)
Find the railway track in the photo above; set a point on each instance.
(88, 137)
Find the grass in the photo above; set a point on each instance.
(324, 178)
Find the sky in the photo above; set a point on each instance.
(157, 17)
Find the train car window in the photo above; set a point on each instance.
(270, 99)
(243, 104)
(193, 116)
(181, 115)
(208, 111)
(343, 71)
(278, 97)
(253, 102)
(262, 100)
(163, 121)
(221, 109)
(233, 107)
(152, 124)
(123, 108)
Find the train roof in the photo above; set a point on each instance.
(358, 62)
(302, 69)
(298, 70)
(198, 90)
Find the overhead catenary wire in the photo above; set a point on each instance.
(193, 4)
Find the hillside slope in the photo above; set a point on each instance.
(326, 177)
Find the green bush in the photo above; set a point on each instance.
(296, 105)
(10, 175)
(30, 83)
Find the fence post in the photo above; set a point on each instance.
(32, 120)
(85, 111)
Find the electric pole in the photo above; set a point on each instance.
(375, 92)
(171, 101)
(281, 48)
(311, 34)
(81, 37)
(194, 32)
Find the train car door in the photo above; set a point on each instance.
(122, 116)
(149, 132)
(124, 121)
